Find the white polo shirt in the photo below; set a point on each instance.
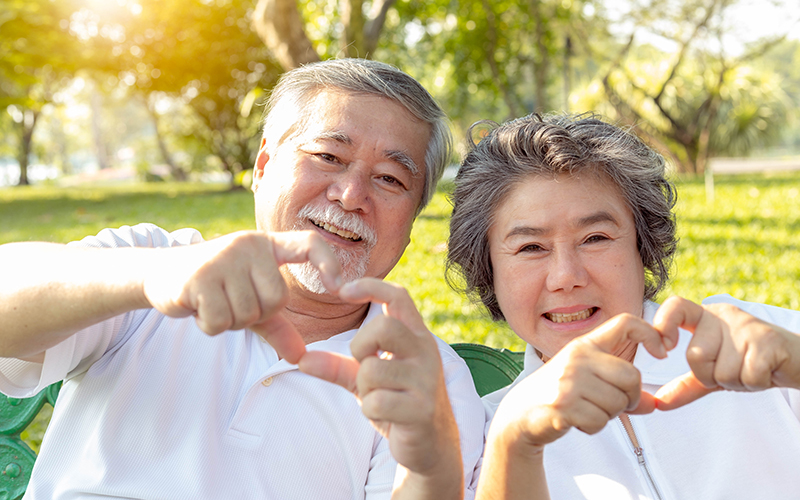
(724, 446)
(153, 408)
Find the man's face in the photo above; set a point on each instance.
(354, 175)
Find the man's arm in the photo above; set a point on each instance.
(396, 372)
(50, 291)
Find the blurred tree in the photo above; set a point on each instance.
(700, 101)
(199, 53)
(495, 59)
(38, 58)
(784, 61)
(284, 27)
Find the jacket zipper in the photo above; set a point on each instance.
(639, 452)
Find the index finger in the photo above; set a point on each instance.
(624, 328)
(677, 312)
(682, 391)
(397, 303)
(707, 334)
(298, 247)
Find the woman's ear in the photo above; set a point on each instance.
(261, 162)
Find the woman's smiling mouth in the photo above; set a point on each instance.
(568, 318)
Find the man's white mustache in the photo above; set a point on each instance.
(335, 216)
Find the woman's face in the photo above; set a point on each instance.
(565, 259)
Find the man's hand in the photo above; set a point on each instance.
(234, 282)
(396, 373)
(583, 386)
(730, 350)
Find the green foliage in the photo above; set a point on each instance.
(493, 59)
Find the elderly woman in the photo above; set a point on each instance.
(563, 227)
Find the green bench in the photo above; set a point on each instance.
(491, 369)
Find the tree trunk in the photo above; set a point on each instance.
(567, 71)
(352, 40)
(27, 126)
(281, 27)
(175, 170)
(491, 33)
(373, 27)
(541, 64)
(97, 133)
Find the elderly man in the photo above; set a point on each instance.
(153, 408)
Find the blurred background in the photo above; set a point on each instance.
(117, 90)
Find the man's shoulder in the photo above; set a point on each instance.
(140, 235)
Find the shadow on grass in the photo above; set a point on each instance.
(739, 222)
(688, 242)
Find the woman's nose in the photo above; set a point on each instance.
(566, 271)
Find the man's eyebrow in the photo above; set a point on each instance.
(404, 160)
(595, 218)
(333, 136)
(400, 157)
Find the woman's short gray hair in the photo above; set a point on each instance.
(551, 146)
(298, 87)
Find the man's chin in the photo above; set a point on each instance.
(309, 276)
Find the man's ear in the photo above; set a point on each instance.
(261, 162)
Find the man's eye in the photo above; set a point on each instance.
(328, 157)
(391, 180)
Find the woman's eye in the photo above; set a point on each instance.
(530, 248)
(595, 238)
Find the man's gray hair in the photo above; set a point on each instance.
(552, 146)
(299, 86)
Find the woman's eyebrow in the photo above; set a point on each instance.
(595, 218)
(589, 220)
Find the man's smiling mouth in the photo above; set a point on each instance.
(568, 318)
(335, 230)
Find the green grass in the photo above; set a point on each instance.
(743, 244)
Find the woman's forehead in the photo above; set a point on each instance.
(544, 202)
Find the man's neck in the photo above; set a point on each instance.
(320, 317)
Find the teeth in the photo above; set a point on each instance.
(339, 232)
(567, 318)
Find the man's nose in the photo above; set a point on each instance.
(350, 189)
(566, 271)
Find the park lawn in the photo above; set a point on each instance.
(742, 244)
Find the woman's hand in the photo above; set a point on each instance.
(730, 349)
(583, 386)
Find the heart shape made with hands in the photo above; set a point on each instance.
(729, 350)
